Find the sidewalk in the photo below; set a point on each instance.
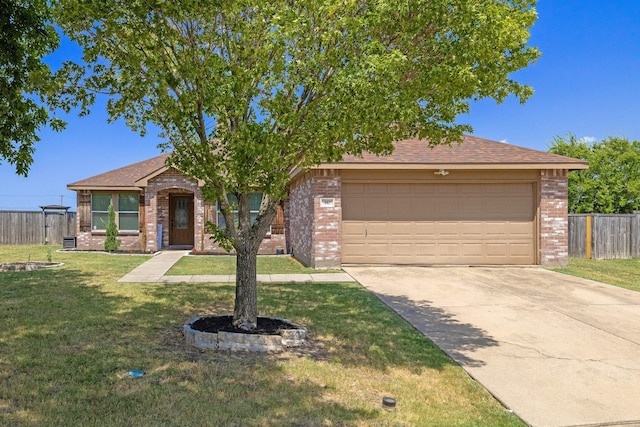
(155, 269)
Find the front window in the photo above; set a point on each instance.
(255, 199)
(126, 206)
(100, 211)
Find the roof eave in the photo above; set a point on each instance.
(75, 187)
(144, 181)
(453, 166)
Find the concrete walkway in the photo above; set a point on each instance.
(155, 269)
(557, 350)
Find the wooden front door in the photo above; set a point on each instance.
(181, 220)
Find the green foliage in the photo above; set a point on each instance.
(29, 91)
(246, 92)
(26, 38)
(111, 242)
(612, 182)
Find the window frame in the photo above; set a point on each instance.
(253, 213)
(128, 212)
(115, 200)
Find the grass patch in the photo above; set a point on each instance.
(619, 272)
(71, 334)
(226, 264)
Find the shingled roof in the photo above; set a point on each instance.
(471, 153)
(122, 178)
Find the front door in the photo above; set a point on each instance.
(181, 220)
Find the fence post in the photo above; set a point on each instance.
(588, 234)
(635, 235)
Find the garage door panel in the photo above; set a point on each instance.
(425, 229)
(471, 229)
(496, 249)
(439, 223)
(400, 229)
(376, 209)
(403, 250)
(355, 208)
(403, 210)
(448, 229)
(378, 249)
(353, 229)
(449, 248)
(378, 229)
(472, 250)
(422, 188)
(493, 229)
(378, 188)
(354, 251)
(519, 230)
(426, 250)
(522, 250)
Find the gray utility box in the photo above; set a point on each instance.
(69, 242)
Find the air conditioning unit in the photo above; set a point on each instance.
(69, 242)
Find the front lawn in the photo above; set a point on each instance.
(71, 334)
(619, 272)
(226, 264)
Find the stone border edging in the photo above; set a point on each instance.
(245, 342)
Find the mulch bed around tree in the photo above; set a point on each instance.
(266, 325)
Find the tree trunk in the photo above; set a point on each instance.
(245, 313)
(247, 243)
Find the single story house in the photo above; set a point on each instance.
(480, 202)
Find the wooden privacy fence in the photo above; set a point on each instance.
(35, 227)
(604, 236)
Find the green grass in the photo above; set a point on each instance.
(226, 264)
(70, 334)
(619, 272)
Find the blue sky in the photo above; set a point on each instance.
(587, 82)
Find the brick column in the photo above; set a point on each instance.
(315, 219)
(554, 218)
(327, 233)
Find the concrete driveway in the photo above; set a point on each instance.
(555, 349)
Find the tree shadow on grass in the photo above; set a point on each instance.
(362, 327)
(68, 345)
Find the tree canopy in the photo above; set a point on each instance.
(248, 91)
(612, 182)
(27, 36)
(30, 92)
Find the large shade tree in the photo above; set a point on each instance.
(247, 91)
(612, 182)
(25, 79)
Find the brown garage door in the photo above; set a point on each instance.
(438, 223)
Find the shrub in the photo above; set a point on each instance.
(111, 243)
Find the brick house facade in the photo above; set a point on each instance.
(156, 189)
(480, 202)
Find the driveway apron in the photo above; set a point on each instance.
(556, 349)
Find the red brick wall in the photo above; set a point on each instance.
(300, 226)
(157, 207)
(154, 210)
(554, 225)
(86, 239)
(315, 231)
